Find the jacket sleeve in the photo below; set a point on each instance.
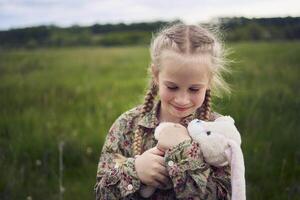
(116, 174)
(192, 177)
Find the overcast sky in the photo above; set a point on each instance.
(23, 13)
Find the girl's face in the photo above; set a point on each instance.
(182, 85)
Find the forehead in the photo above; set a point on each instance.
(188, 69)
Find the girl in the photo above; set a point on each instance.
(187, 62)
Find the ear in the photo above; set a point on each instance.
(155, 73)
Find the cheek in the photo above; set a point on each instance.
(165, 95)
(198, 99)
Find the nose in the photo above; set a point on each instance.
(182, 99)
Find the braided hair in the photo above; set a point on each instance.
(147, 107)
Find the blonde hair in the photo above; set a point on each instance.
(186, 40)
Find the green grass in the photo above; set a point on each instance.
(74, 95)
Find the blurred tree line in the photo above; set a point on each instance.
(235, 29)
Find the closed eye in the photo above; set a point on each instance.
(172, 88)
(194, 89)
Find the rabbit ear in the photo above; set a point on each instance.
(237, 172)
(228, 154)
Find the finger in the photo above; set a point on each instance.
(156, 151)
(157, 184)
(166, 180)
(161, 150)
(162, 179)
(161, 160)
(163, 170)
(153, 150)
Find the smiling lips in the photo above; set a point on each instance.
(180, 108)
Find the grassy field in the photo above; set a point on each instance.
(73, 95)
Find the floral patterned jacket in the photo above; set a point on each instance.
(191, 177)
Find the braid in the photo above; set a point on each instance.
(147, 107)
(203, 112)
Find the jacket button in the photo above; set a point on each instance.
(170, 163)
(129, 187)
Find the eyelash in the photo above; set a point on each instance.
(194, 90)
(175, 88)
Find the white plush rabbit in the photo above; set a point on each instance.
(220, 144)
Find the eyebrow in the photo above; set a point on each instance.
(194, 85)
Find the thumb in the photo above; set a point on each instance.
(156, 151)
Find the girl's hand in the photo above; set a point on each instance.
(150, 168)
(172, 135)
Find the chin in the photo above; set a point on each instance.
(181, 114)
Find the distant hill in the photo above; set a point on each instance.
(235, 29)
